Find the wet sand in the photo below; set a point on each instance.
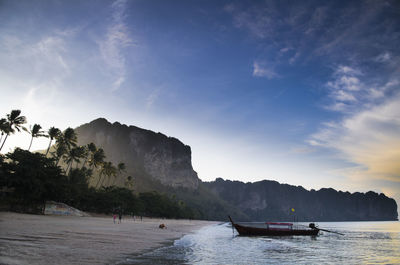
(38, 239)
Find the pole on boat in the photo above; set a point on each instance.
(331, 231)
(233, 227)
(294, 215)
(312, 226)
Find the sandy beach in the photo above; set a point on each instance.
(39, 239)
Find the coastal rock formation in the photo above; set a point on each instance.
(144, 152)
(270, 200)
(161, 163)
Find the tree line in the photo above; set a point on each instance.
(63, 174)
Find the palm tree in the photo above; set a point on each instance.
(120, 168)
(53, 133)
(14, 123)
(65, 142)
(68, 138)
(108, 170)
(60, 151)
(90, 149)
(102, 171)
(85, 154)
(74, 154)
(3, 127)
(36, 132)
(129, 182)
(97, 158)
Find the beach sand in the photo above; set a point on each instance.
(39, 239)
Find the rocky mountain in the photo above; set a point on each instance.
(149, 157)
(270, 200)
(161, 163)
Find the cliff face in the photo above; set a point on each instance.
(158, 162)
(163, 158)
(269, 200)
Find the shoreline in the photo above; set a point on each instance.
(43, 239)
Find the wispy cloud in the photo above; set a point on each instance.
(115, 40)
(43, 63)
(259, 23)
(302, 150)
(261, 69)
(152, 97)
(344, 88)
(351, 90)
(44, 56)
(369, 138)
(383, 57)
(322, 32)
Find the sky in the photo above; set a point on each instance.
(301, 92)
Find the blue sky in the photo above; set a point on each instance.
(305, 92)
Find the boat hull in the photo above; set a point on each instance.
(254, 231)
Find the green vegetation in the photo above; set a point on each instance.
(13, 122)
(28, 180)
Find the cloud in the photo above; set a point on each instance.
(115, 40)
(260, 23)
(342, 95)
(51, 50)
(344, 88)
(293, 59)
(152, 98)
(383, 57)
(302, 150)
(284, 50)
(38, 65)
(262, 70)
(369, 138)
(350, 90)
(44, 57)
(322, 32)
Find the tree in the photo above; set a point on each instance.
(90, 149)
(65, 142)
(15, 122)
(129, 182)
(120, 168)
(107, 170)
(68, 138)
(36, 132)
(53, 133)
(98, 158)
(3, 128)
(74, 155)
(60, 151)
(33, 178)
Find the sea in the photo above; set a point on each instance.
(362, 243)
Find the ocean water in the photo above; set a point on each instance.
(362, 243)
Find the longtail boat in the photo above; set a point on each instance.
(274, 229)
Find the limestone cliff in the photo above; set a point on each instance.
(270, 200)
(158, 162)
(145, 153)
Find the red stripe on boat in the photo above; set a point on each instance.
(270, 223)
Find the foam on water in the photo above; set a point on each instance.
(363, 242)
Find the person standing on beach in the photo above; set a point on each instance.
(114, 217)
(120, 217)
